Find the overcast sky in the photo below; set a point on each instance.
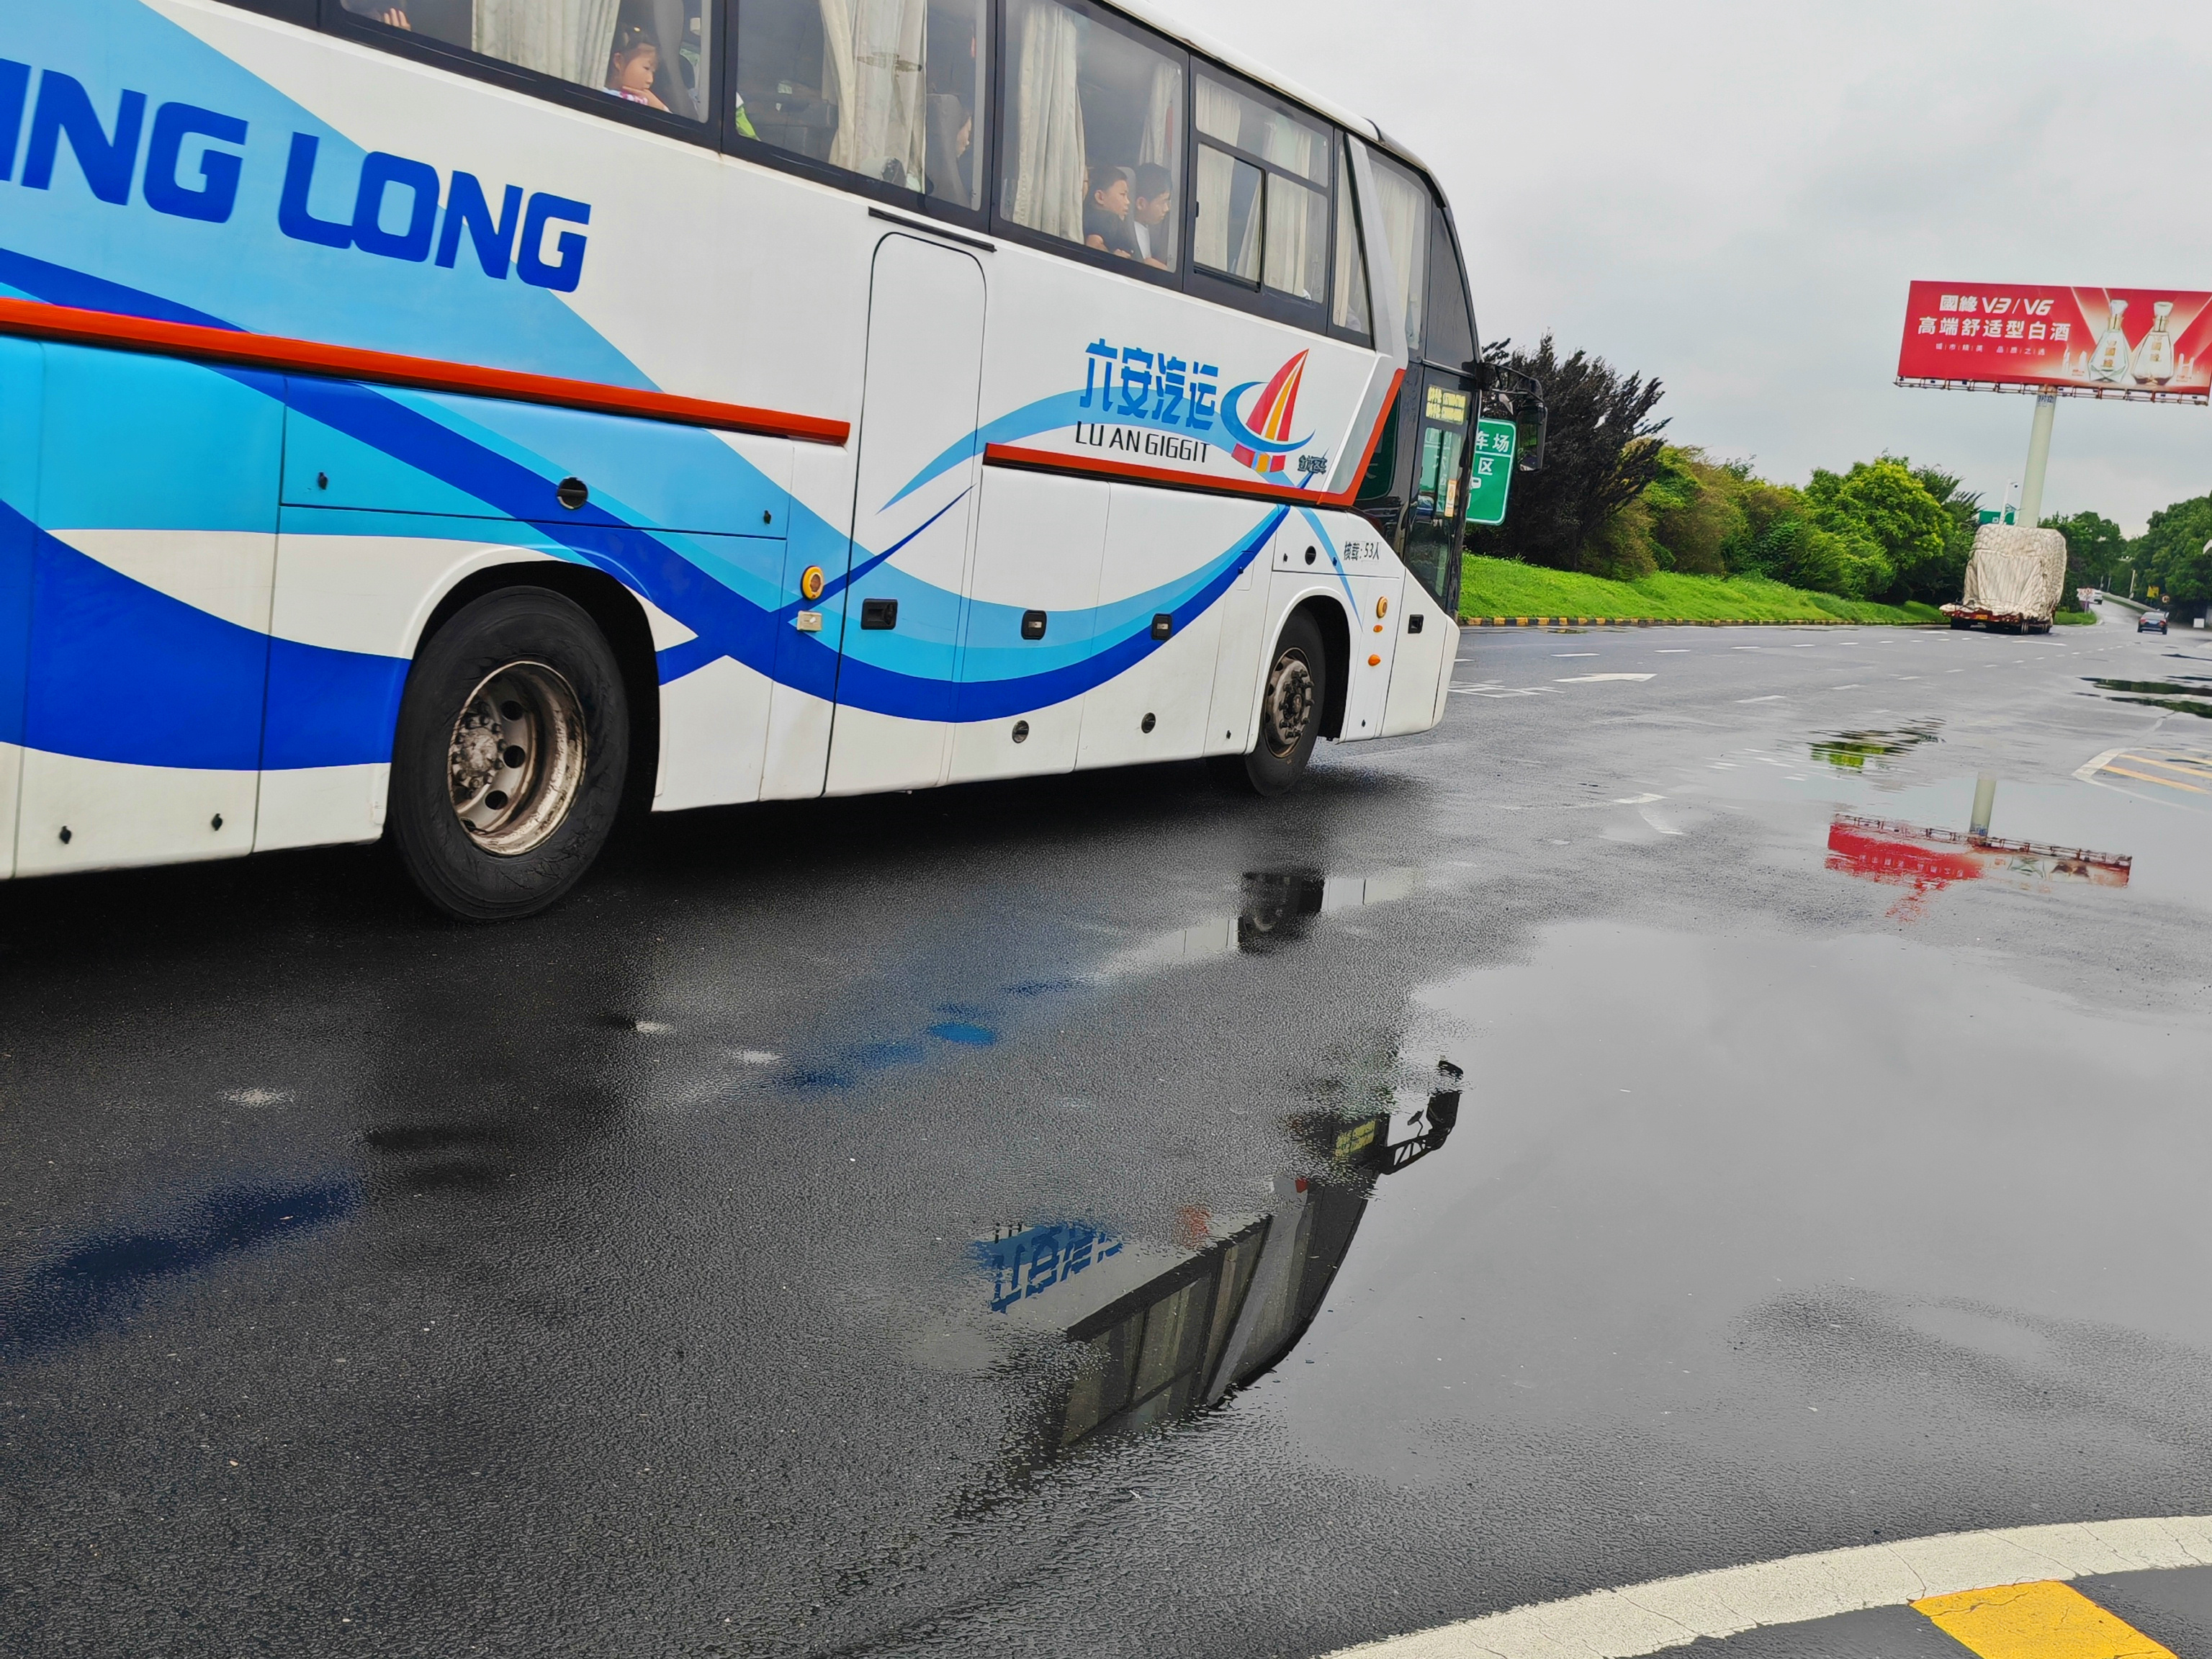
(1734, 198)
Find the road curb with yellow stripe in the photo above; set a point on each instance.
(2001, 1594)
(1674, 622)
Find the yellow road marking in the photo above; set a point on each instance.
(2049, 1620)
(2146, 777)
(2190, 765)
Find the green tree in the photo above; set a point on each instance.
(1600, 449)
(1893, 527)
(2171, 551)
(2095, 546)
(1692, 511)
(1943, 580)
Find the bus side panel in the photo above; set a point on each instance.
(1424, 661)
(1039, 543)
(23, 367)
(1160, 545)
(150, 610)
(353, 592)
(1244, 642)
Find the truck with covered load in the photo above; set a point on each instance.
(2015, 580)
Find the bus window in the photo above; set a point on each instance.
(1451, 330)
(1094, 135)
(1403, 210)
(1437, 523)
(1284, 243)
(1349, 310)
(889, 90)
(654, 53)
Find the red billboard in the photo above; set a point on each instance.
(2099, 342)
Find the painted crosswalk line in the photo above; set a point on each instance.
(1672, 1613)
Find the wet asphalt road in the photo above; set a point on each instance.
(691, 1270)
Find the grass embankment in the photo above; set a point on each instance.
(1502, 588)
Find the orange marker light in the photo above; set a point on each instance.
(809, 584)
(1375, 662)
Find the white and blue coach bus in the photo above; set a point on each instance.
(458, 419)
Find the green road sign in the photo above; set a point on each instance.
(1494, 472)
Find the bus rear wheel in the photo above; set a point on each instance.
(513, 744)
(1291, 708)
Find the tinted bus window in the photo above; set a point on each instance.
(654, 53)
(889, 90)
(1403, 210)
(1451, 330)
(1349, 309)
(1262, 192)
(1094, 128)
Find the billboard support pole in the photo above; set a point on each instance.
(2039, 457)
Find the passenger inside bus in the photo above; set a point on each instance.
(574, 41)
(1149, 216)
(1078, 87)
(886, 89)
(636, 61)
(1106, 218)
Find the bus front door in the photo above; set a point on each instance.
(907, 567)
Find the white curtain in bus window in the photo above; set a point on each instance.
(1228, 235)
(1403, 207)
(649, 52)
(1160, 143)
(1094, 144)
(872, 70)
(1045, 145)
(1349, 310)
(887, 90)
(1297, 238)
(1296, 215)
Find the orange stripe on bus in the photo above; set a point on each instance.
(38, 318)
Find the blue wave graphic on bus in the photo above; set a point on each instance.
(202, 682)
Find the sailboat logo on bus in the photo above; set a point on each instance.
(1262, 444)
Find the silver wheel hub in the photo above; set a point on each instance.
(516, 759)
(1290, 704)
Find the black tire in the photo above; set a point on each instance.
(1292, 703)
(1961, 622)
(519, 673)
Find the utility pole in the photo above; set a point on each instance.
(2039, 457)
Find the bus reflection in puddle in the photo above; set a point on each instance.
(1163, 1331)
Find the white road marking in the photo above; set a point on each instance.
(1775, 697)
(1574, 653)
(1637, 800)
(1591, 679)
(1672, 651)
(1672, 1613)
(1853, 686)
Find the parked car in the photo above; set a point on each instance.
(2151, 621)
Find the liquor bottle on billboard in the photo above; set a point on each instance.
(2155, 360)
(2110, 360)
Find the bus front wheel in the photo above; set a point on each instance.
(1291, 708)
(508, 767)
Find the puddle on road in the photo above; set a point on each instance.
(1277, 908)
(1856, 751)
(2180, 696)
(1152, 1333)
